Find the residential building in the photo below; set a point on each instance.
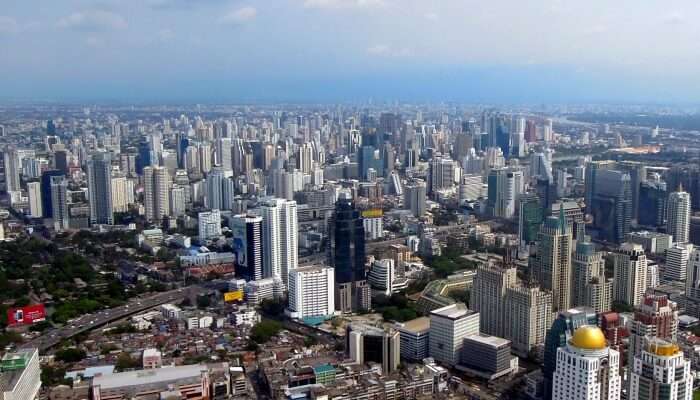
(630, 274)
(449, 326)
(311, 292)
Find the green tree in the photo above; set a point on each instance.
(264, 330)
(70, 355)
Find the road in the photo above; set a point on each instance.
(88, 322)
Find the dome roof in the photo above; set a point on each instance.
(589, 337)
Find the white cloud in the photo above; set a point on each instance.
(239, 16)
(343, 3)
(8, 25)
(94, 20)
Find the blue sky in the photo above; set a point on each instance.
(348, 50)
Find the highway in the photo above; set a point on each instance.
(88, 322)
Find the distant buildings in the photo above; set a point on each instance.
(99, 171)
(608, 197)
(156, 189)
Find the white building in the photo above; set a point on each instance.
(245, 316)
(264, 289)
(381, 276)
(677, 262)
(20, 374)
(660, 372)
(374, 228)
(449, 326)
(311, 292)
(209, 224)
(170, 311)
(678, 223)
(34, 194)
(586, 369)
(630, 274)
(280, 237)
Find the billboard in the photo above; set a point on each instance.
(233, 296)
(373, 213)
(26, 315)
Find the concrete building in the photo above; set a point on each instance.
(156, 189)
(99, 176)
(630, 274)
(449, 326)
(487, 357)
(660, 372)
(280, 237)
(527, 316)
(264, 289)
(414, 335)
(677, 262)
(59, 202)
(553, 260)
(678, 224)
(365, 343)
(652, 242)
(209, 225)
(590, 288)
(487, 296)
(34, 194)
(415, 195)
(311, 292)
(656, 316)
(587, 369)
(20, 375)
(247, 244)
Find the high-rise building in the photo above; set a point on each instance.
(504, 187)
(553, 260)
(305, 158)
(487, 296)
(46, 202)
(156, 189)
(12, 166)
(527, 316)
(34, 194)
(280, 237)
(441, 174)
(122, 193)
(365, 343)
(692, 279)
(247, 243)
(21, 374)
(574, 217)
(100, 189)
(609, 200)
(223, 154)
(311, 292)
(630, 274)
(653, 198)
(590, 288)
(414, 338)
(347, 256)
(678, 214)
(59, 202)
(586, 368)
(215, 189)
(209, 225)
(415, 194)
(656, 316)
(449, 326)
(677, 258)
(178, 201)
(659, 372)
(530, 218)
(558, 336)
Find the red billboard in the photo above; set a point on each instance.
(26, 315)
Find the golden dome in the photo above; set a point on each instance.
(589, 337)
(663, 348)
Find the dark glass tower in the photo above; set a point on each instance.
(46, 204)
(347, 256)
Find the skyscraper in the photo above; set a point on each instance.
(586, 368)
(347, 256)
(156, 185)
(11, 162)
(415, 197)
(441, 174)
(34, 194)
(630, 274)
(610, 204)
(59, 202)
(653, 199)
(311, 292)
(46, 202)
(247, 243)
(659, 372)
(590, 288)
(487, 296)
(656, 316)
(530, 218)
(553, 260)
(678, 214)
(527, 315)
(280, 237)
(677, 258)
(100, 189)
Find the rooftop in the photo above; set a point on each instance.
(453, 311)
(417, 325)
(493, 341)
(151, 376)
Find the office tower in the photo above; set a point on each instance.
(470, 187)
(223, 154)
(368, 157)
(382, 276)
(656, 316)
(678, 214)
(574, 217)
(100, 189)
(462, 146)
(178, 201)
(12, 166)
(653, 199)
(449, 326)
(59, 202)
(441, 174)
(415, 194)
(504, 187)
(280, 238)
(20, 372)
(553, 260)
(487, 296)
(60, 158)
(685, 177)
(311, 292)
(215, 187)
(156, 190)
(527, 315)
(659, 372)
(558, 336)
(365, 343)
(209, 225)
(530, 131)
(692, 279)
(46, 202)
(587, 369)
(415, 338)
(34, 194)
(589, 286)
(305, 158)
(608, 197)
(192, 164)
(247, 244)
(530, 216)
(677, 262)
(205, 159)
(630, 274)
(347, 256)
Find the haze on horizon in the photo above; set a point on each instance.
(342, 50)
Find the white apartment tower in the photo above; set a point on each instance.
(311, 292)
(156, 185)
(630, 274)
(280, 237)
(678, 222)
(209, 225)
